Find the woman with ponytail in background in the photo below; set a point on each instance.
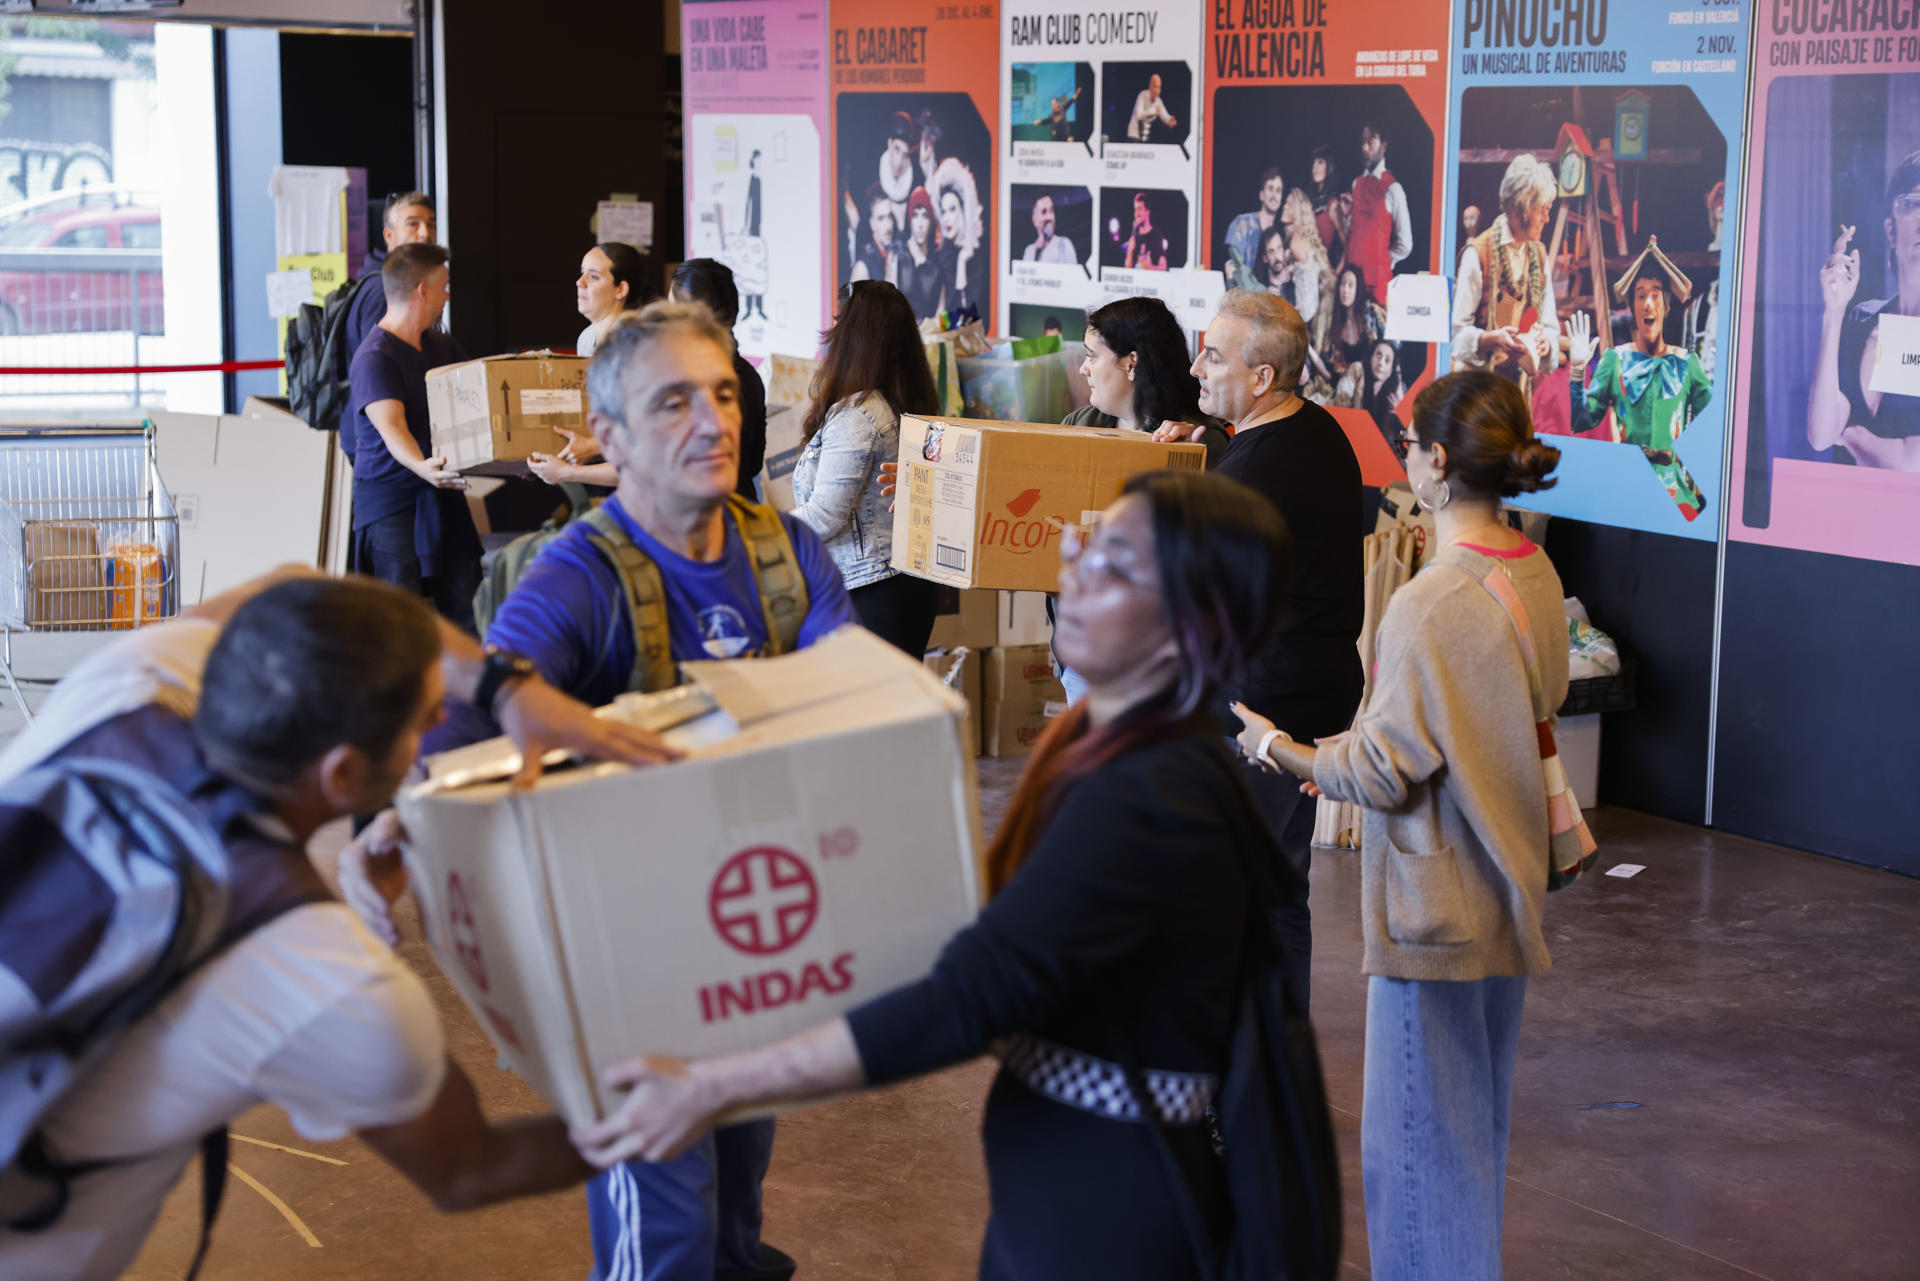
(1116, 926)
(1446, 761)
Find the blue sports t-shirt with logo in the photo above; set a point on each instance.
(569, 613)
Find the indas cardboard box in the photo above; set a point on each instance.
(983, 504)
(816, 847)
(1022, 695)
(487, 415)
(960, 671)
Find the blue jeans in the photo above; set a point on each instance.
(694, 1218)
(1434, 1122)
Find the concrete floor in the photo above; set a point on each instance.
(1720, 1079)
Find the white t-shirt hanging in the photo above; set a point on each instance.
(306, 209)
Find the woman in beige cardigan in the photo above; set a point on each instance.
(1445, 762)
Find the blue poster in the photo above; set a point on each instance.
(1594, 154)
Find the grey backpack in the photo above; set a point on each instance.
(115, 886)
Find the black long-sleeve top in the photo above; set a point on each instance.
(1129, 913)
(1307, 677)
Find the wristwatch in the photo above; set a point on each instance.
(498, 669)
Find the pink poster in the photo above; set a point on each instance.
(755, 74)
(1826, 442)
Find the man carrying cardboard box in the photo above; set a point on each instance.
(271, 711)
(675, 566)
(411, 525)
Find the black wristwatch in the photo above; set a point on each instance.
(499, 668)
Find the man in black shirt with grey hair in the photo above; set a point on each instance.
(1307, 678)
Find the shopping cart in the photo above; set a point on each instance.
(88, 537)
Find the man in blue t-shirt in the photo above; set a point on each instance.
(664, 406)
(411, 526)
(408, 220)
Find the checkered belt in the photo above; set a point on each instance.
(1097, 1086)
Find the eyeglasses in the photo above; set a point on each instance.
(1402, 443)
(1089, 563)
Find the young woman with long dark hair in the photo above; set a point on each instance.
(1116, 925)
(1138, 373)
(874, 369)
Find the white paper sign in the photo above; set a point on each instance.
(287, 291)
(1626, 869)
(1896, 366)
(627, 222)
(550, 400)
(1196, 296)
(1417, 309)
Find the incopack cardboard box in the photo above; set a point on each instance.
(960, 671)
(969, 619)
(1021, 694)
(983, 504)
(817, 846)
(487, 415)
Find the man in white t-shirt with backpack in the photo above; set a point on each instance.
(226, 740)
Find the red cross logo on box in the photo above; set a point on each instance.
(763, 900)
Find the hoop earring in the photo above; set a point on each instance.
(1441, 499)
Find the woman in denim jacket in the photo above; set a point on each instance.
(874, 370)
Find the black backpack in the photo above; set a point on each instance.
(318, 358)
(1274, 1129)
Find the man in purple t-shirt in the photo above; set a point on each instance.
(411, 526)
(664, 406)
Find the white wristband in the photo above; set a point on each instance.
(1266, 741)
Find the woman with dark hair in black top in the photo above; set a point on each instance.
(1138, 373)
(1116, 926)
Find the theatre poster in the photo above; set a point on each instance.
(755, 75)
(1594, 160)
(1100, 135)
(915, 88)
(1323, 184)
(1826, 442)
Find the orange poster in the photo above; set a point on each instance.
(915, 114)
(1322, 182)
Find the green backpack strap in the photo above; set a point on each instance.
(776, 570)
(653, 665)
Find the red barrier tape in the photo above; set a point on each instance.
(223, 367)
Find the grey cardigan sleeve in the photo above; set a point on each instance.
(1395, 745)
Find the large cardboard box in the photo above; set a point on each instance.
(789, 380)
(965, 619)
(960, 671)
(983, 504)
(252, 492)
(783, 451)
(487, 415)
(1021, 694)
(1022, 619)
(817, 846)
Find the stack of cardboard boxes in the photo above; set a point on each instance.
(995, 650)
